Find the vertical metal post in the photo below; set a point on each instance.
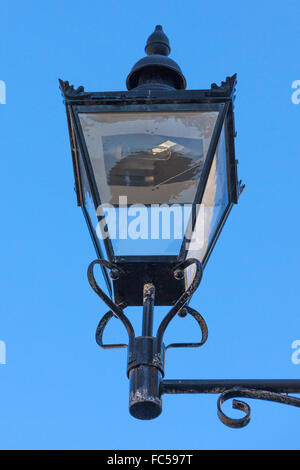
(145, 372)
(148, 302)
(144, 392)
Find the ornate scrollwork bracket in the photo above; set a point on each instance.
(115, 310)
(181, 308)
(238, 392)
(203, 327)
(146, 356)
(269, 390)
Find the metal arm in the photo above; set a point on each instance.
(270, 390)
(146, 357)
(251, 393)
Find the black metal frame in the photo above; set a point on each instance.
(215, 99)
(156, 84)
(222, 108)
(146, 356)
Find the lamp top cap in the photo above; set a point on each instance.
(156, 70)
(158, 42)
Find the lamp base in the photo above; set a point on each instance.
(144, 398)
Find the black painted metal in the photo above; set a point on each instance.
(148, 301)
(182, 301)
(147, 353)
(193, 100)
(156, 86)
(98, 249)
(143, 351)
(116, 309)
(146, 357)
(205, 172)
(100, 330)
(269, 390)
(250, 393)
(145, 370)
(203, 327)
(129, 288)
(220, 386)
(144, 395)
(158, 42)
(156, 83)
(161, 105)
(156, 70)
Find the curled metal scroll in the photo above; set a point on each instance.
(115, 310)
(100, 329)
(183, 299)
(203, 327)
(238, 392)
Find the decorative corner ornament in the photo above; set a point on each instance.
(68, 90)
(227, 87)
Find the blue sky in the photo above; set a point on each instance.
(58, 389)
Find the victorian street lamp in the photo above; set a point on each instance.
(156, 177)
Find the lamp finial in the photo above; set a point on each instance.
(158, 42)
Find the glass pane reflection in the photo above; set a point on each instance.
(148, 157)
(214, 204)
(89, 204)
(147, 230)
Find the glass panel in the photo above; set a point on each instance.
(212, 208)
(146, 159)
(147, 230)
(89, 204)
(86, 192)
